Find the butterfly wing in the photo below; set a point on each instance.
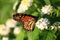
(29, 24)
(27, 20)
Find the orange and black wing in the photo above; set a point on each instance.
(29, 24)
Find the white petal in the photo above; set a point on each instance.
(14, 7)
(27, 3)
(16, 30)
(5, 38)
(58, 26)
(2, 26)
(5, 31)
(11, 23)
(46, 9)
(52, 27)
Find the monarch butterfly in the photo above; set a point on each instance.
(27, 20)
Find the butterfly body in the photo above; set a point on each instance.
(27, 20)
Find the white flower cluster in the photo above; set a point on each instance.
(5, 29)
(25, 4)
(46, 9)
(11, 23)
(42, 23)
(55, 25)
(16, 30)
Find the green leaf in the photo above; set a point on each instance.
(47, 2)
(47, 35)
(5, 10)
(21, 35)
(34, 34)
